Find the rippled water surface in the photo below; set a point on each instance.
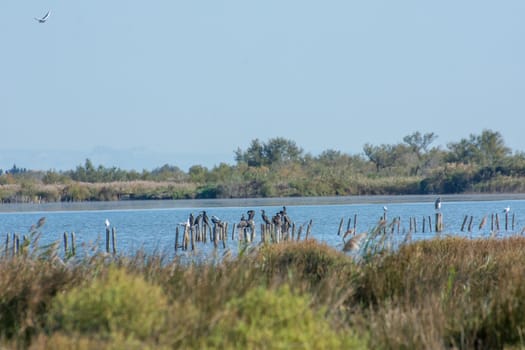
(151, 224)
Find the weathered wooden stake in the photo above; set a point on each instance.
(439, 222)
(114, 239)
(506, 220)
(15, 244)
(470, 223)
(340, 227)
(497, 221)
(176, 237)
(65, 244)
(107, 239)
(429, 223)
(355, 222)
(192, 238)
(513, 221)
(309, 229)
(73, 244)
(7, 244)
(464, 223)
(483, 222)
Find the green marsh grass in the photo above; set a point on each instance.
(441, 293)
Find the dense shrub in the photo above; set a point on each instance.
(276, 319)
(116, 302)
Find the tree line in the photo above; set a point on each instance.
(279, 167)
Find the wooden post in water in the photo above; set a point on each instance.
(483, 222)
(513, 221)
(506, 220)
(491, 222)
(114, 239)
(497, 222)
(439, 222)
(176, 238)
(215, 237)
(15, 244)
(393, 227)
(470, 223)
(73, 244)
(7, 245)
(192, 238)
(299, 232)
(309, 229)
(398, 223)
(415, 224)
(355, 222)
(340, 227)
(464, 223)
(186, 238)
(107, 239)
(65, 244)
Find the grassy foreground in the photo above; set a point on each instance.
(441, 293)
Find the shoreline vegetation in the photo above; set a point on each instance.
(441, 293)
(279, 168)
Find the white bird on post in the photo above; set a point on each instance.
(107, 223)
(44, 18)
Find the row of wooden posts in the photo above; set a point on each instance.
(218, 234)
(426, 225)
(13, 243)
(396, 224)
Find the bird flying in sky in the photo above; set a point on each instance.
(44, 18)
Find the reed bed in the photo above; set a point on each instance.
(442, 293)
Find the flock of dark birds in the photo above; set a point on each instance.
(279, 220)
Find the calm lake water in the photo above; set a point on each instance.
(151, 224)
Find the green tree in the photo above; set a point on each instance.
(381, 156)
(486, 150)
(276, 151)
(419, 146)
(253, 156)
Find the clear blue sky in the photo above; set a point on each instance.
(137, 84)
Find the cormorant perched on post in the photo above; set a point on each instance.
(191, 219)
(437, 204)
(198, 220)
(265, 217)
(205, 218)
(251, 214)
(277, 220)
(243, 223)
